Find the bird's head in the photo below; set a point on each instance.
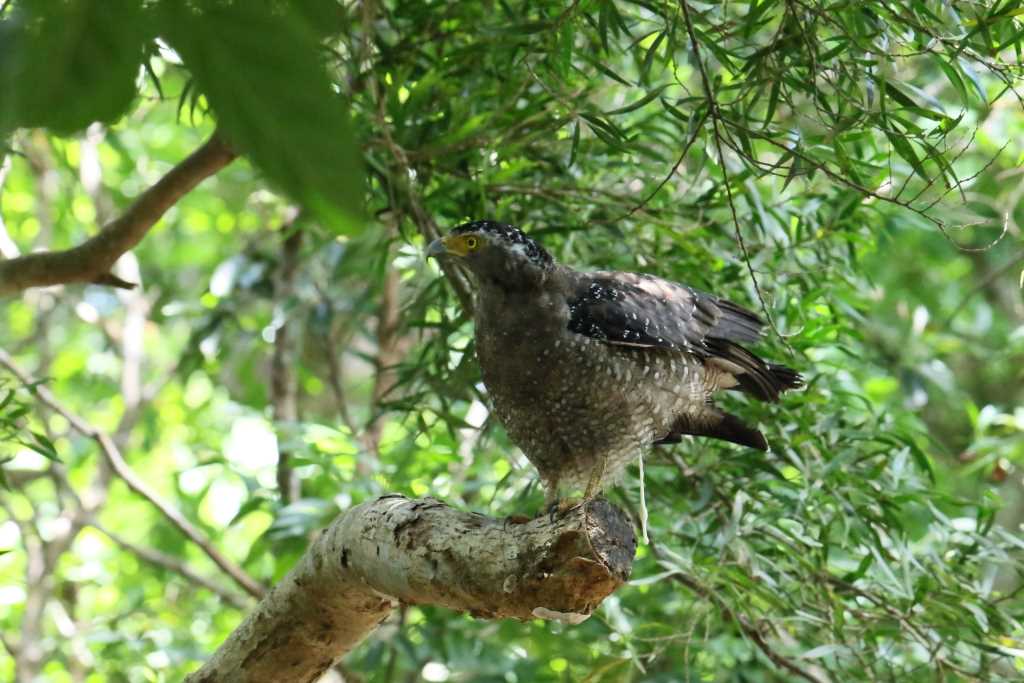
(496, 253)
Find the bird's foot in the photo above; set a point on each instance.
(560, 506)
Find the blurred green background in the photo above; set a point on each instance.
(862, 160)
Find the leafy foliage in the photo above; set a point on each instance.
(279, 77)
(815, 159)
(64, 65)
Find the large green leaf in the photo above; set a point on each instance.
(261, 67)
(66, 64)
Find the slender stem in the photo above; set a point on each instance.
(716, 116)
(173, 564)
(117, 463)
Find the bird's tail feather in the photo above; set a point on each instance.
(786, 377)
(716, 425)
(764, 381)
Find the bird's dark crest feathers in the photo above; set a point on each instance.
(513, 236)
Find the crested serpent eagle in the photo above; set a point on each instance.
(587, 369)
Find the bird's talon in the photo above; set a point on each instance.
(560, 507)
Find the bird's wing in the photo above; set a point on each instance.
(633, 309)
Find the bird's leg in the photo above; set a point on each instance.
(552, 501)
(557, 505)
(550, 492)
(594, 483)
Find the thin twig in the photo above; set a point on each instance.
(423, 221)
(988, 280)
(716, 116)
(868, 192)
(121, 468)
(675, 168)
(175, 565)
(749, 630)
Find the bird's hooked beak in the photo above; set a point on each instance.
(437, 248)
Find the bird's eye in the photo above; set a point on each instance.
(472, 243)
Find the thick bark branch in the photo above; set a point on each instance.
(394, 550)
(91, 260)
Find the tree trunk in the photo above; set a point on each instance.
(395, 550)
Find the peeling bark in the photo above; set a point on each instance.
(395, 550)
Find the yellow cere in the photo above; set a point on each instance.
(462, 244)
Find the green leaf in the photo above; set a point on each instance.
(823, 651)
(676, 112)
(950, 71)
(649, 56)
(794, 171)
(64, 65)
(575, 143)
(42, 445)
(975, 80)
(607, 71)
(260, 65)
(753, 20)
(249, 506)
(566, 36)
(607, 132)
(323, 17)
(773, 101)
(861, 570)
(639, 103)
(906, 151)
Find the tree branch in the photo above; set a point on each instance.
(395, 550)
(391, 350)
(117, 463)
(173, 564)
(748, 629)
(91, 260)
(283, 385)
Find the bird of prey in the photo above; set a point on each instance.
(587, 369)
